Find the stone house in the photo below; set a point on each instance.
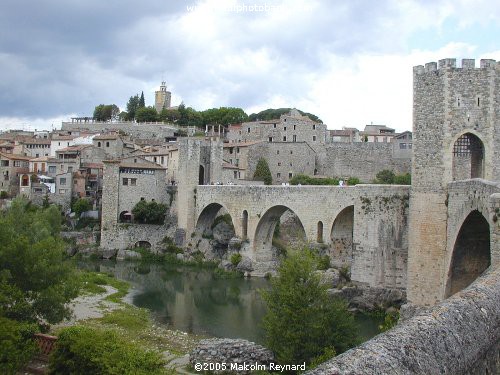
(61, 141)
(377, 133)
(403, 145)
(112, 144)
(14, 172)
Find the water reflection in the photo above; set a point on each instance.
(194, 301)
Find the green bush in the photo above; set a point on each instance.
(81, 205)
(323, 262)
(402, 179)
(235, 259)
(4, 194)
(385, 177)
(226, 218)
(308, 180)
(149, 212)
(16, 345)
(353, 181)
(82, 350)
(302, 322)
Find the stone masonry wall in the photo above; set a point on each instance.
(138, 130)
(459, 336)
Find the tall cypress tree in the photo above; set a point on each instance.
(142, 103)
(262, 172)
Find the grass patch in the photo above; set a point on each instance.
(93, 283)
(133, 319)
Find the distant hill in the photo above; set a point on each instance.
(273, 113)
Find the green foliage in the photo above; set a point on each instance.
(389, 177)
(92, 283)
(390, 321)
(323, 262)
(235, 259)
(4, 194)
(132, 106)
(262, 172)
(105, 112)
(226, 218)
(223, 116)
(170, 246)
(272, 114)
(146, 114)
(16, 345)
(149, 212)
(302, 321)
(353, 181)
(222, 274)
(345, 273)
(142, 102)
(82, 350)
(385, 177)
(35, 281)
(402, 179)
(81, 205)
(169, 115)
(327, 354)
(308, 180)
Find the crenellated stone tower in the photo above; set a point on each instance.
(456, 136)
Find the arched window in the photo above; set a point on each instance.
(320, 232)
(468, 157)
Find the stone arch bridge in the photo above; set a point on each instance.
(367, 221)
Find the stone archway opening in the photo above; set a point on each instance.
(216, 223)
(468, 157)
(341, 236)
(319, 231)
(143, 244)
(471, 254)
(125, 217)
(279, 228)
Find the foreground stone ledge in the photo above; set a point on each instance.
(461, 335)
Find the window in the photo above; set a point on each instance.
(37, 155)
(290, 175)
(284, 128)
(133, 181)
(295, 138)
(274, 126)
(279, 164)
(278, 175)
(17, 163)
(291, 152)
(314, 138)
(291, 165)
(107, 144)
(295, 127)
(237, 150)
(270, 139)
(98, 144)
(248, 130)
(125, 181)
(162, 159)
(155, 159)
(237, 162)
(230, 150)
(402, 146)
(52, 169)
(284, 138)
(59, 143)
(70, 169)
(314, 126)
(5, 163)
(62, 181)
(277, 152)
(235, 174)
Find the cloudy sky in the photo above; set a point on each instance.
(349, 62)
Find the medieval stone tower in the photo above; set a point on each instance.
(200, 163)
(162, 98)
(456, 125)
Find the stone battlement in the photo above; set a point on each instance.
(467, 64)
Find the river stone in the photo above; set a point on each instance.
(127, 254)
(330, 277)
(230, 351)
(245, 265)
(223, 233)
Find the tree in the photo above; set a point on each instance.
(106, 112)
(149, 212)
(35, 282)
(81, 205)
(169, 115)
(272, 114)
(146, 114)
(262, 172)
(142, 102)
(302, 322)
(402, 179)
(223, 116)
(132, 105)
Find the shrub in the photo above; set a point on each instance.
(4, 194)
(262, 172)
(82, 350)
(402, 179)
(149, 212)
(16, 345)
(353, 181)
(308, 180)
(81, 205)
(323, 262)
(302, 322)
(235, 259)
(385, 177)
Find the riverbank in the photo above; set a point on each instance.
(103, 306)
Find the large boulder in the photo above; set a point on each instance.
(245, 265)
(223, 233)
(230, 351)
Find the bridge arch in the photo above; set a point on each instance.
(471, 254)
(468, 154)
(265, 228)
(342, 234)
(208, 216)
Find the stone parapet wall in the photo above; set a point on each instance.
(138, 130)
(461, 335)
(125, 236)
